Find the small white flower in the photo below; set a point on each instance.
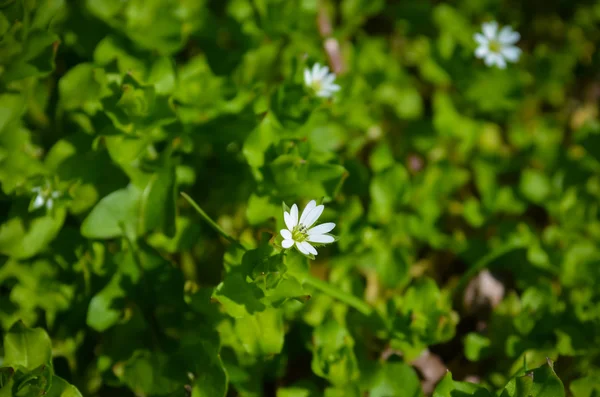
(45, 197)
(301, 233)
(320, 81)
(497, 47)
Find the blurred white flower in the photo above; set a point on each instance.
(300, 232)
(45, 197)
(497, 47)
(320, 81)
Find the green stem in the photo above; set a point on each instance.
(212, 223)
(340, 295)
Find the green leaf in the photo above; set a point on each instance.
(35, 382)
(82, 87)
(541, 382)
(476, 346)
(293, 392)
(239, 297)
(287, 288)
(46, 12)
(405, 101)
(18, 159)
(451, 388)
(157, 203)
(211, 377)
(157, 26)
(426, 317)
(342, 391)
(260, 209)
(29, 348)
(261, 333)
(136, 108)
(200, 348)
(333, 354)
(37, 58)
(546, 383)
(266, 134)
(61, 388)
(106, 307)
(115, 215)
(588, 386)
(152, 373)
(395, 379)
(22, 237)
(535, 185)
(162, 75)
(387, 190)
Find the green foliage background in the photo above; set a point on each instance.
(433, 166)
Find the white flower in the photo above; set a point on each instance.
(45, 197)
(320, 81)
(497, 47)
(301, 233)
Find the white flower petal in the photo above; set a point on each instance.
(490, 59)
(38, 202)
(306, 245)
(508, 36)
(321, 238)
(302, 248)
(323, 93)
(313, 215)
(500, 61)
(482, 51)
(287, 243)
(480, 39)
(511, 53)
(293, 216)
(49, 204)
(323, 72)
(307, 77)
(309, 207)
(322, 228)
(490, 29)
(286, 234)
(333, 87)
(315, 70)
(288, 220)
(330, 78)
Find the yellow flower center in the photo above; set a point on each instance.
(299, 233)
(495, 46)
(316, 85)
